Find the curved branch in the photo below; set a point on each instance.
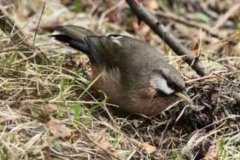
(171, 41)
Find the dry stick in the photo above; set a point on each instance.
(173, 43)
(222, 19)
(183, 21)
(39, 21)
(8, 26)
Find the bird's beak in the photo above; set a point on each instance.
(184, 97)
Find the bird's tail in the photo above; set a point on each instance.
(74, 36)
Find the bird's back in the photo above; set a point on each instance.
(135, 59)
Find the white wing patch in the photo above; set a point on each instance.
(116, 39)
(160, 83)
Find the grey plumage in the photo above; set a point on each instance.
(138, 64)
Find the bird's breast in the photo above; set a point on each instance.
(108, 81)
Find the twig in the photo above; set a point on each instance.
(192, 24)
(173, 43)
(222, 19)
(86, 132)
(39, 21)
(9, 27)
(236, 96)
(211, 76)
(104, 14)
(201, 78)
(80, 155)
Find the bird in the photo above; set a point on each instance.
(134, 75)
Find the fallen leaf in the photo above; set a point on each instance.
(80, 60)
(151, 5)
(58, 129)
(102, 140)
(212, 153)
(66, 2)
(50, 108)
(148, 148)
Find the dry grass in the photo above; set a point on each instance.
(47, 111)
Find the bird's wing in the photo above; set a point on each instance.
(159, 83)
(164, 77)
(172, 76)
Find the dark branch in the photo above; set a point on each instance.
(172, 41)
